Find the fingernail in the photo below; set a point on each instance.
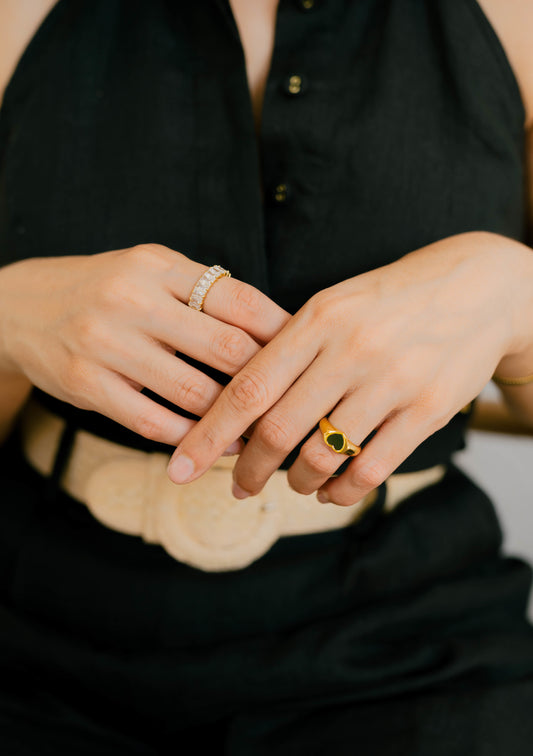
(323, 497)
(234, 448)
(239, 492)
(180, 469)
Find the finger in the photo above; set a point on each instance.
(150, 365)
(246, 397)
(394, 441)
(357, 416)
(287, 422)
(230, 300)
(115, 398)
(206, 339)
(118, 400)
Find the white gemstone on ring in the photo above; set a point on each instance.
(204, 283)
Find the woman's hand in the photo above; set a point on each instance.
(400, 349)
(94, 330)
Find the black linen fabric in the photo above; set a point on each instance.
(404, 635)
(129, 122)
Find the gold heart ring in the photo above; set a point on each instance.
(336, 439)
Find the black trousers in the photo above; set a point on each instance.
(405, 634)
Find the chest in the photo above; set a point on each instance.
(256, 22)
(133, 124)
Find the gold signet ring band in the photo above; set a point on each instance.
(336, 439)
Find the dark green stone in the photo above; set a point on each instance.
(350, 452)
(336, 440)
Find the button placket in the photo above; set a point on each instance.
(280, 193)
(294, 84)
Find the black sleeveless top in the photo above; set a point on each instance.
(130, 121)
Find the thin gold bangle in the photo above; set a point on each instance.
(513, 381)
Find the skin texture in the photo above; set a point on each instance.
(115, 318)
(400, 349)
(109, 325)
(256, 24)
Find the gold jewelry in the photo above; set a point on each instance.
(336, 439)
(204, 283)
(513, 381)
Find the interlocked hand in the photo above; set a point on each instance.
(398, 350)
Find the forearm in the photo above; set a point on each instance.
(519, 359)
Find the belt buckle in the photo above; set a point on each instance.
(198, 523)
(203, 525)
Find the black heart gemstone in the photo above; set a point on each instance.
(336, 441)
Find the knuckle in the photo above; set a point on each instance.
(322, 306)
(85, 330)
(327, 308)
(209, 440)
(318, 460)
(121, 291)
(231, 346)
(300, 486)
(345, 500)
(369, 343)
(431, 408)
(152, 256)
(274, 434)
(90, 331)
(146, 253)
(372, 474)
(148, 426)
(248, 391)
(429, 400)
(192, 394)
(438, 420)
(75, 379)
(249, 481)
(245, 297)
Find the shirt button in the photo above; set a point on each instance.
(280, 194)
(293, 85)
(306, 5)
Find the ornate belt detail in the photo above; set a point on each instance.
(199, 523)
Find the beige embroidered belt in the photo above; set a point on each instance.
(199, 523)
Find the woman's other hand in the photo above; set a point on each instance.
(94, 330)
(400, 349)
